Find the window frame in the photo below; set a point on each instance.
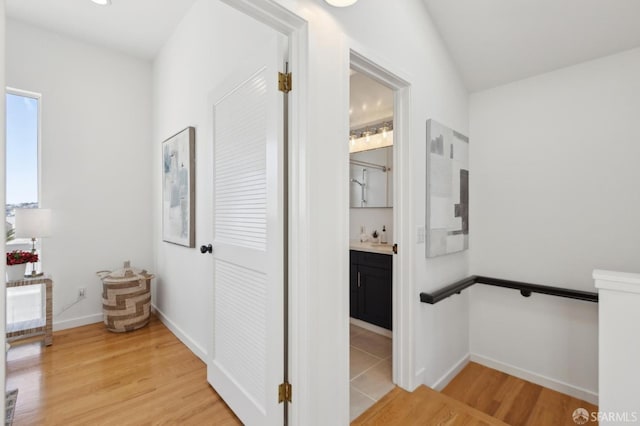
(17, 242)
(37, 96)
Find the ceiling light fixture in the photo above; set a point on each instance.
(341, 3)
(102, 2)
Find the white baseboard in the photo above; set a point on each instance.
(371, 327)
(443, 381)
(418, 379)
(77, 322)
(184, 338)
(557, 385)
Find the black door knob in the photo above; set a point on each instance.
(206, 249)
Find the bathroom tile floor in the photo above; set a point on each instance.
(370, 369)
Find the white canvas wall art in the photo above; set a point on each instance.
(178, 188)
(447, 219)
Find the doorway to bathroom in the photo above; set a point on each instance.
(381, 353)
(371, 236)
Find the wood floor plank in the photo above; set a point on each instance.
(478, 395)
(522, 406)
(513, 400)
(423, 406)
(90, 376)
(506, 395)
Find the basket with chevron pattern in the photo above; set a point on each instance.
(126, 298)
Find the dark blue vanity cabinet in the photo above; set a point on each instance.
(371, 287)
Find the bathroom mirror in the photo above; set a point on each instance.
(371, 178)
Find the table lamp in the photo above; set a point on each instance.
(33, 223)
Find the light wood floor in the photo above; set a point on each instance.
(90, 376)
(512, 400)
(94, 377)
(423, 406)
(477, 396)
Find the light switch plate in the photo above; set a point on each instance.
(421, 232)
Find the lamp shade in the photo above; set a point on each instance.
(341, 3)
(33, 223)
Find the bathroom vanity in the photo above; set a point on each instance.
(371, 283)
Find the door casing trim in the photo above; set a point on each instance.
(370, 64)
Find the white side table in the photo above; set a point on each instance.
(37, 328)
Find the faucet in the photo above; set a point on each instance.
(356, 181)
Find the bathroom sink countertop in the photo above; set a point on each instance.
(371, 247)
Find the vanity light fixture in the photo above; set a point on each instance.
(372, 136)
(102, 2)
(341, 3)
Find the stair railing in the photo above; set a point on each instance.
(526, 289)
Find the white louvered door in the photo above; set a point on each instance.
(246, 359)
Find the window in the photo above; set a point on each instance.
(22, 150)
(24, 304)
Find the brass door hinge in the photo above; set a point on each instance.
(284, 82)
(284, 392)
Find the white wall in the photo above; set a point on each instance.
(619, 318)
(544, 339)
(95, 160)
(440, 332)
(190, 65)
(554, 195)
(372, 219)
(196, 59)
(3, 334)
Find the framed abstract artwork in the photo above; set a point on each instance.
(178, 188)
(447, 218)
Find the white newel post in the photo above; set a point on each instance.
(619, 346)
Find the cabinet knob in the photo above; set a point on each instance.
(206, 249)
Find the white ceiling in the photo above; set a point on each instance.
(499, 41)
(369, 101)
(136, 27)
(492, 41)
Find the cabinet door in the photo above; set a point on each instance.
(353, 285)
(374, 296)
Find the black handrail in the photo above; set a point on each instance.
(447, 291)
(525, 289)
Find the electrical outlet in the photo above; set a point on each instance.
(421, 232)
(82, 292)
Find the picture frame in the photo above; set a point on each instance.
(178, 188)
(447, 209)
